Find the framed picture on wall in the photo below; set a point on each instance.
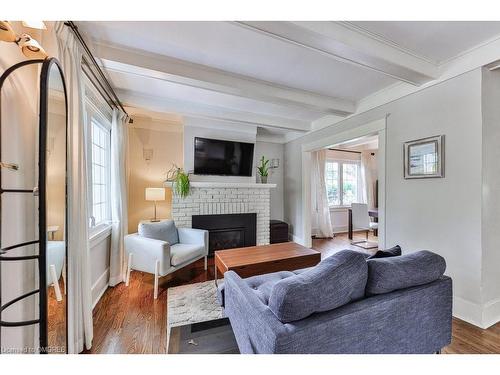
(424, 158)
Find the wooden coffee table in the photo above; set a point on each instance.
(258, 260)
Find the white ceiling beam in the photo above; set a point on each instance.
(201, 76)
(159, 104)
(346, 42)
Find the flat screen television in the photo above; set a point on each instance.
(222, 158)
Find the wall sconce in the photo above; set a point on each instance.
(29, 46)
(275, 163)
(147, 154)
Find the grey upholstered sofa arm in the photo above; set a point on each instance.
(144, 249)
(250, 317)
(194, 237)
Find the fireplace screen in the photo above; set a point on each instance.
(228, 231)
(226, 239)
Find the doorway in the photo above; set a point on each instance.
(342, 193)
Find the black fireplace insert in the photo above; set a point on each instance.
(228, 231)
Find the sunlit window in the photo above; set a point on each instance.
(342, 179)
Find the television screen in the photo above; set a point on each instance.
(223, 158)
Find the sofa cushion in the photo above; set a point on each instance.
(261, 284)
(392, 252)
(163, 230)
(335, 281)
(181, 253)
(388, 274)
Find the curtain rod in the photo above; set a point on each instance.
(113, 97)
(339, 149)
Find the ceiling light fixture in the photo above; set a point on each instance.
(29, 46)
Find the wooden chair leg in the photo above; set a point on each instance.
(129, 267)
(205, 263)
(157, 273)
(55, 281)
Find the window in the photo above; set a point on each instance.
(99, 166)
(100, 175)
(342, 182)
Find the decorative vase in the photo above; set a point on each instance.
(263, 179)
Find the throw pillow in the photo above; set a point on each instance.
(392, 252)
(163, 231)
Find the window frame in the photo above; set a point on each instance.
(93, 114)
(341, 163)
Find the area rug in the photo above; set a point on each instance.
(192, 303)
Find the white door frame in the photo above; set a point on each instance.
(373, 128)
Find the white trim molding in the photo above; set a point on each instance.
(100, 287)
(236, 185)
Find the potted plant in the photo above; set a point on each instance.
(263, 169)
(180, 181)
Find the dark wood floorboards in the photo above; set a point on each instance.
(129, 320)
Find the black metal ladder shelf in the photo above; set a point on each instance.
(40, 257)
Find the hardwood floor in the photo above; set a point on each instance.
(56, 319)
(129, 320)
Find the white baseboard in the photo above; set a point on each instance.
(468, 311)
(338, 230)
(491, 313)
(99, 287)
(482, 316)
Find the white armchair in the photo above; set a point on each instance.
(158, 256)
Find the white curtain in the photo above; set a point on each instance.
(325, 229)
(367, 182)
(119, 142)
(80, 329)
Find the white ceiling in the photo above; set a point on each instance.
(435, 40)
(279, 76)
(234, 49)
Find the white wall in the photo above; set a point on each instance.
(272, 151)
(441, 215)
(195, 127)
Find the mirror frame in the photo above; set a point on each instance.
(42, 188)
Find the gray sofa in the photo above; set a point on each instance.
(345, 304)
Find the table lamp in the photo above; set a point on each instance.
(155, 194)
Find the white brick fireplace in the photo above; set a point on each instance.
(214, 198)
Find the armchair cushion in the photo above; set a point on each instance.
(163, 230)
(182, 253)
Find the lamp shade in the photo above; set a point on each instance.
(6, 32)
(155, 194)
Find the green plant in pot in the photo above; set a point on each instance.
(263, 169)
(180, 181)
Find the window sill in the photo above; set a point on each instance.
(99, 233)
(339, 208)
